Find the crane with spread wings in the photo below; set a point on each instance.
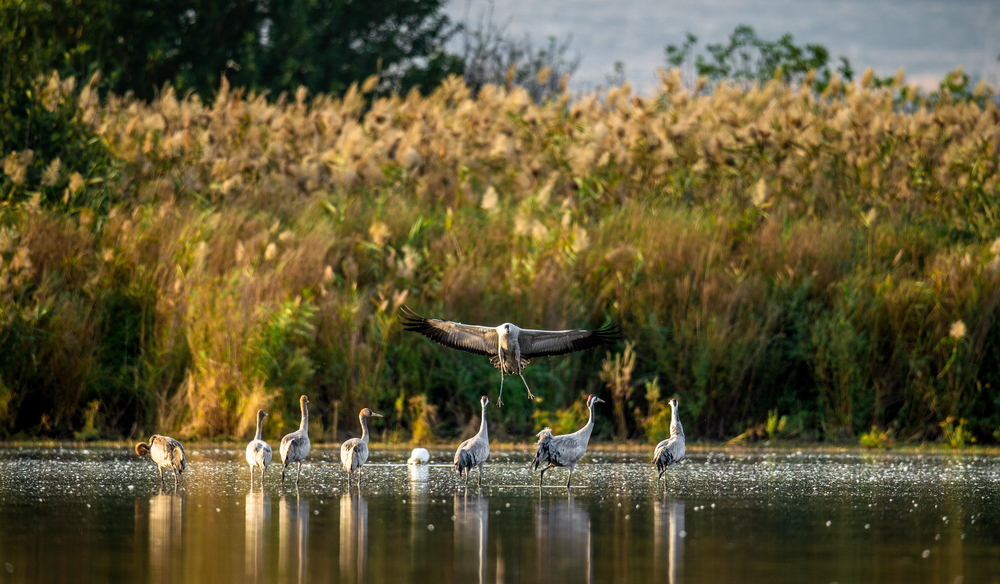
(509, 347)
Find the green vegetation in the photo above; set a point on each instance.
(802, 257)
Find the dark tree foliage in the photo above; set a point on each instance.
(326, 45)
(747, 59)
(262, 45)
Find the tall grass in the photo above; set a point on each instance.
(770, 252)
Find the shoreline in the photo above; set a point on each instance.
(630, 447)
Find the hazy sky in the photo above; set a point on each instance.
(926, 38)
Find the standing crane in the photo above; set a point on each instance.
(295, 446)
(259, 452)
(166, 453)
(354, 452)
(475, 450)
(670, 451)
(508, 346)
(565, 450)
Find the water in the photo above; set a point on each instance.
(928, 38)
(97, 515)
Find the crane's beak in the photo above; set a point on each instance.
(597, 399)
(377, 415)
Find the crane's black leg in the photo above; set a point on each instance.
(160, 468)
(283, 469)
(251, 478)
(570, 477)
(175, 481)
(480, 475)
(531, 396)
(297, 473)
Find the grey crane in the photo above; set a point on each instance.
(475, 450)
(670, 451)
(166, 453)
(295, 446)
(509, 347)
(565, 450)
(259, 452)
(354, 452)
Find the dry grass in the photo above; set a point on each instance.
(767, 249)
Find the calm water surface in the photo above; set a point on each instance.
(97, 515)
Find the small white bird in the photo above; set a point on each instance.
(419, 456)
(474, 451)
(567, 449)
(508, 346)
(259, 452)
(354, 452)
(166, 453)
(295, 446)
(670, 451)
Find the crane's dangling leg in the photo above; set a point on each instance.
(530, 395)
(542, 476)
(500, 398)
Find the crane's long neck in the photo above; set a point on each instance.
(364, 429)
(483, 431)
(260, 426)
(675, 424)
(304, 424)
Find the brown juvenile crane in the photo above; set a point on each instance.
(166, 453)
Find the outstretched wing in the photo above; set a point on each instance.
(481, 340)
(545, 343)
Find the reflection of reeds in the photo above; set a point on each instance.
(769, 247)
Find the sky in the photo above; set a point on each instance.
(925, 38)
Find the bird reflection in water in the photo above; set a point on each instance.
(353, 536)
(472, 523)
(562, 530)
(419, 489)
(166, 537)
(293, 532)
(258, 521)
(668, 539)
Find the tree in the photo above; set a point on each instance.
(263, 45)
(748, 59)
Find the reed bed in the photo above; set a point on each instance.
(787, 262)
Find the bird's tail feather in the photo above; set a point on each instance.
(542, 453)
(349, 458)
(462, 461)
